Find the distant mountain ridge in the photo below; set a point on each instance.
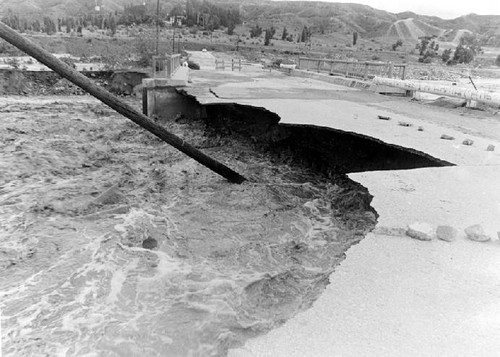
(321, 16)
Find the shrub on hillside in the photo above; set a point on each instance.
(395, 46)
(446, 55)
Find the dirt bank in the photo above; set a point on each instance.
(322, 149)
(20, 82)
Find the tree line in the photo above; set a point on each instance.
(468, 47)
(195, 12)
(49, 25)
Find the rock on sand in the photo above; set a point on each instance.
(476, 233)
(420, 231)
(446, 233)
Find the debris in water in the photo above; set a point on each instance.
(403, 123)
(468, 142)
(420, 128)
(110, 196)
(490, 148)
(383, 117)
(149, 243)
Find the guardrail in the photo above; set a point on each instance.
(236, 64)
(492, 98)
(220, 64)
(363, 70)
(165, 66)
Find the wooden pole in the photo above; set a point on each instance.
(114, 102)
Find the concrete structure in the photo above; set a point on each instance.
(159, 94)
(165, 66)
(471, 95)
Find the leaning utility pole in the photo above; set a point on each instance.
(114, 102)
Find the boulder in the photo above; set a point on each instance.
(476, 233)
(420, 231)
(446, 233)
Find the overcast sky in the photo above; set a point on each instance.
(446, 9)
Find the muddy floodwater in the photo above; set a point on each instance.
(112, 243)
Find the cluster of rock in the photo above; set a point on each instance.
(468, 142)
(425, 232)
(432, 74)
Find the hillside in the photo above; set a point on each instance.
(321, 17)
(324, 17)
(370, 22)
(412, 29)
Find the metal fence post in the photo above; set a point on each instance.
(390, 70)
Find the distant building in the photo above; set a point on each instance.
(176, 20)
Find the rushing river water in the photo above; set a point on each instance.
(172, 260)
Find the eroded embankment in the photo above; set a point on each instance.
(24, 82)
(324, 149)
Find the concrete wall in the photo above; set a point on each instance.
(161, 99)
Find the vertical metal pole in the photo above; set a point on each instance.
(157, 26)
(173, 39)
